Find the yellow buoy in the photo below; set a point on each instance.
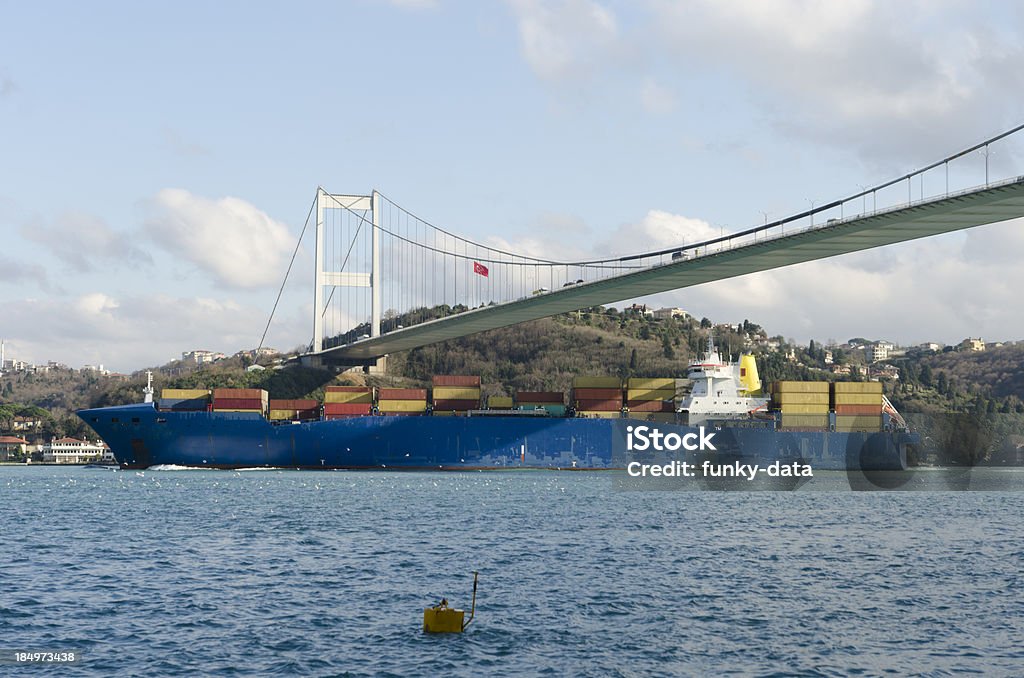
(444, 619)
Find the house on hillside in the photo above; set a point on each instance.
(13, 448)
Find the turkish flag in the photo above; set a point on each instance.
(479, 269)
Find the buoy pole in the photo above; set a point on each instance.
(472, 609)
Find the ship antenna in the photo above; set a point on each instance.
(148, 391)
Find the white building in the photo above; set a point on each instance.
(665, 313)
(74, 451)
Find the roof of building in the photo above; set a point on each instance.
(13, 440)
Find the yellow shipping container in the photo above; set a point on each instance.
(350, 398)
(804, 409)
(592, 414)
(456, 393)
(499, 402)
(666, 417)
(867, 423)
(800, 399)
(448, 413)
(651, 383)
(278, 415)
(858, 399)
(597, 382)
(185, 393)
(805, 420)
(800, 387)
(402, 405)
(651, 394)
(857, 387)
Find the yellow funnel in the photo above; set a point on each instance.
(748, 375)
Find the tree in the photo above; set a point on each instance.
(705, 323)
(666, 347)
(632, 360)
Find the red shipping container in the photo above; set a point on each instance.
(456, 380)
(650, 406)
(308, 414)
(859, 409)
(255, 393)
(347, 389)
(597, 393)
(402, 394)
(556, 397)
(599, 405)
(341, 416)
(294, 404)
(238, 403)
(347, 408)
(458, 405)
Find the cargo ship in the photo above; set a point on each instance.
(840, 426)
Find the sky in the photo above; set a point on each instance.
(158, 160)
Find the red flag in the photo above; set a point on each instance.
(479, 269)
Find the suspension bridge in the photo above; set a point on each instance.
(387, 280)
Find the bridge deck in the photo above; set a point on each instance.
(926, 218)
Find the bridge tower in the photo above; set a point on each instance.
(368, 204)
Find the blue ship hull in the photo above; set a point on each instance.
(140, 436)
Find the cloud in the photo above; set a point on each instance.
(86, 242)
(228, 238)
(656, 98)
(131, 332)
(18, 272)
(564, 39)
(893, 80)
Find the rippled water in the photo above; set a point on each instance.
(326, 573)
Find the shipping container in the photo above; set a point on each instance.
(347, 389)
(858, 422)
(499, 402)
(869, 410)
(458, 405)
(812, 421)
(456, 380)
(402, 394)
(352, 397)
(593, 393)
(456, 393)
(238, 409)
(278, 414)
(449, 413)
(804, 409)
(874, 399)
(221, 404)
(650, 394)
(800, 399)
(302, 404)
(799, 387)
(598, 414)
(184, 404)
(184, 393)
(597, 382)
(857, 387)
(346, 408)
(650, 406)
(663, 417)
(240, 393)
(651, 383)
(607, 405)
(536, 397)
(406, 406)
